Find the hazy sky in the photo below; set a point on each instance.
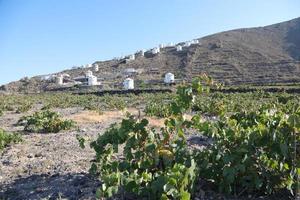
(46, 36)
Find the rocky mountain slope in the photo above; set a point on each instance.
(262, 55)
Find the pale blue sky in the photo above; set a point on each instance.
(46, 36)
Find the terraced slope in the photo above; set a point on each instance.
(262, 55)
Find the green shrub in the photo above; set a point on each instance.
(252, 152)
(114, 102)
(153, 166)
(157, 109)
(284, 98)
(209, 106)
(45, 121)
(8, 138)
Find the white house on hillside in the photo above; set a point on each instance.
(155, 50)
(128, 84)
(169, 78)
(179, 48)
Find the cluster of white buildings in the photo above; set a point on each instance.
(157, 49)
(128, 83)
(90, 80)
(187, 44)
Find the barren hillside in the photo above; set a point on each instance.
(262, 55)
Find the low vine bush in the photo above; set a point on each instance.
(7, 138)
(252, 152)
(154, 166)
(45, 121)
(157, 109)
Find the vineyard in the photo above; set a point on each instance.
(210, 145)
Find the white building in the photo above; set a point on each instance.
(195, 41)
(96, 68)
(92, 80)
(155, 50)
(132, 57)
(169, 78)
(142, 52)
(128, 84)
(161, 46)
(89, 79)
(60, 80)
(179, 48)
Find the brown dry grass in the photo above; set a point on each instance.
(94, 117)
(156, 122)
(87, 116)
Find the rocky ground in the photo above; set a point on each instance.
(51, 165)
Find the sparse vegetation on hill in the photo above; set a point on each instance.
(259, 56)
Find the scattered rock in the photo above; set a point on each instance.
(47, 166)
(30, 156)
(6, 162)
(38, 155)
